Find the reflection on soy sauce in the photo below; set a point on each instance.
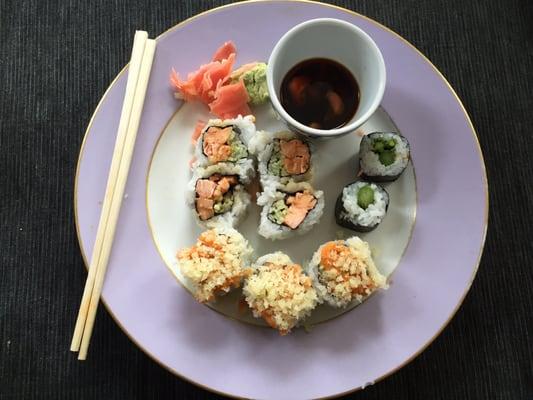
(320, 93)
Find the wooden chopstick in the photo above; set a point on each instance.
(138, 76)
(139, 43)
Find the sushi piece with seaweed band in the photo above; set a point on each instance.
(217, 263)
(343, 272)
(383, 156)
(282, 156)
(224, 141)
(217, 195)
(289, 210)
(361, 206)
(280, 292)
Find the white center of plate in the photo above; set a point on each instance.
(336, 165)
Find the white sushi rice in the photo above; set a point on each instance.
(369, 160)
(262, 146)
(274, 192)
(241, 198)
(247, 132)
(364, 276)
(373, 214)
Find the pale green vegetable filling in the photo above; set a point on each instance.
(275, 164)
(223, 205)
(238, 149)
(277, 212)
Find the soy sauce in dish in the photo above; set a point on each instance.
(320, 93)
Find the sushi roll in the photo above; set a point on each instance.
(224, 141)
(217, 263)
(361, 206)
(282, 156)
(343, 272)
(383, 156)
(289, 209)
(279, 292)
(217, 195)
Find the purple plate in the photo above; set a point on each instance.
(344, 354)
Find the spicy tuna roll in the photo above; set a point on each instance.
(279, 292)
(218, 262)
(282, 156)
(224, 141)
(383, 156)
(217, 195)
(361, 206)
(290, 209)
(343, 272)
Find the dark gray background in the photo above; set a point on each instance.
(56, 60)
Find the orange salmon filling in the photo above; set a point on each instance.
(215, 144)
(211, 190)
(296, 156)
(299, 205)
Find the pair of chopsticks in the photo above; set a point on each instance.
(138, 76)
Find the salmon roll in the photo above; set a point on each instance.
(383, 156)
(282, 156)
(289, 210)
(280, 292)
(217, 263)
(343, 272)
(225, 141)
(217, 195)
(361, 206)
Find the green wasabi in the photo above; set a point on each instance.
(255, 82)
(365, 197)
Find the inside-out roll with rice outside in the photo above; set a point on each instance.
(217, 263)
(282, 156)
(217, 194)
(290, 209)
(225, 141)
(383, 156)
(343, 272)
(280, 292)
(361, 206)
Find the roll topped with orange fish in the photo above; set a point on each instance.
(344, 272)
(217, 263)
(280, 292)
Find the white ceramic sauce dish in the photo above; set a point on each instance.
(339, 41)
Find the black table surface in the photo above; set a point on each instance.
(56, 60)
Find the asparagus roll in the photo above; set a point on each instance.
(217, 195)
(343, 272)
(279, 292)
(383, 156)
(290, 209)
(361, 206)
(224, 141)
(282, 156)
